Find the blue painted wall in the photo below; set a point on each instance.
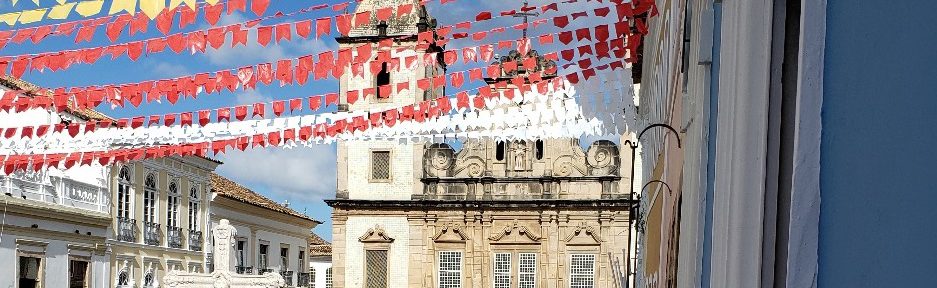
(878, 217)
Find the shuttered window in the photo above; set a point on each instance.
(380, 165)
(376, 261)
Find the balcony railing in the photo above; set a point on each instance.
(195, 240)
(151, 233)
(174, 237)
(302, 279)
(265, 270)
(288, 276)
(244, 269)
(126, 229)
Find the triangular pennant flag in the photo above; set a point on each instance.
(32, 16)
(124, 5)
(10, 18)
(151, 8)
(60, 12)
(259, 6)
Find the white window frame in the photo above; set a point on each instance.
(328, 277)
(497, 273)
(458, 272)
(125, 193)
(521, 268)
(572, 270)
(194, 206)
(172, 204)
(150, 212)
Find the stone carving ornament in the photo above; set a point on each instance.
(603, 158)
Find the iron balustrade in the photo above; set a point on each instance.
(174, 237)
(302, 279)
(244, 270)
(195, 240)
(288, 276)
(151, 233)
(126, 229)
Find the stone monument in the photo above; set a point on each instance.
(223, 276)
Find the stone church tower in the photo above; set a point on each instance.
(544, 213)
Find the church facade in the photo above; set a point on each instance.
(533, 213)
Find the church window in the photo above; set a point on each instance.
(450, 269)
(376, 263)
(383, 79)
(499, 150)
(539, 149)
(328, 277)
(502, 270)
(582, 271)
(527, 276)
(380, 165)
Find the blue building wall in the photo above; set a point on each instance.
(878, 217)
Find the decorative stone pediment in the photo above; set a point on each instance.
(450, 232)
(375, 235)
(515, 233)
(583, 235)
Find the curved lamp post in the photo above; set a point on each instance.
(635, 208)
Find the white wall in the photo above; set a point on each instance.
(320, 266)
(394, 227)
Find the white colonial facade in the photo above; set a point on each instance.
(270, 237)
(55, 220)
(320, 262)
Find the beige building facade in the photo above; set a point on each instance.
(160, 209)
(535, 213)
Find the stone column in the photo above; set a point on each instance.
(339, 222)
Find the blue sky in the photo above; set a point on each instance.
(302, 176)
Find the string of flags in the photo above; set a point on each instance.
(514, 106)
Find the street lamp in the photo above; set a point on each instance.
(635, 208)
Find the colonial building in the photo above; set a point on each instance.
(544, 213)
(159, 208)
(55, 221)
(320, 262)
(270, 238)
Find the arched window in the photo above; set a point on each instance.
(499, 150)
(538, 149)
(383, 78)
(149, 198)
(193, 207)
(124, 193)
(172, 204)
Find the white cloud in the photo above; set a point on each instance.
(299, 175)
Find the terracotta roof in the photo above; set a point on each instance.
(228, 188)
(318, 246)
(19, 84)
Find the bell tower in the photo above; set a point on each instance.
(384, 169)
(387, 61)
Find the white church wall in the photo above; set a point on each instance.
(397, 257)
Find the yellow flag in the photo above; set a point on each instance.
(190, 3)
(123, 5)
(60, 12)
(32, 16)
(211, 2)
(88, 8)
(10, 18)
(152, 8)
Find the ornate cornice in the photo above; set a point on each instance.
(515, 228)
(450, 228)
(583, 228)
(375, 235)
(591, 204)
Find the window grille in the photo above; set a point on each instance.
(380, 165)
(527, 272)
(450, 269)
(582, 271)
(312, 277)
(502, 270)
(328, 278)
(376, 268)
